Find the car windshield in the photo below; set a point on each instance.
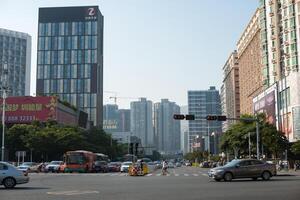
(232, 163)
(127, 163)
(55, 163)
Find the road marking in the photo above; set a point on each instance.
(186, 174)
(196, 174)
(149, 174)
(72, 192)
(176, 174)
(168, 174)
(204, 175)
(158, 174)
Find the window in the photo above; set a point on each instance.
(67, 57)
(81, 42)
(87, 85)
(46, 86)
(47, 43)
(40, 72)
(80, 56)
(67, 71)
(87, 100)
(41, 57)
(74, 56)
(61, 43)
(60, 71)
(79, 86)
(94, 28)
(66, 86)
(74, 71)
(54, 41)
(74, 99)
(54, 71)
(93, 100)
(94, 56)
(74, 28)
(87, 71)
(46, 71)
(60, 57)
(68, 42)
(42, 29)
(73, 86)
(54, 57)
(87, 56)
(41, 43)
(53, 85)
(61, 29)
(60, 86)
(88, 28)
(74, 42)
(81, 71)
(94, 42)
(3, 166)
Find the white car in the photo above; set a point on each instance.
(10, 176)
(125, 166)
(53, 166)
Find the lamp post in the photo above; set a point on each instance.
(4, 89)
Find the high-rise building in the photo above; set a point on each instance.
(166, 129)
(225, 124)
(230, 93)
(141, 123)
(250, 64)
(124, 120)
(110, 117)
(202, 103)
(70, 57)
(184, 129)
(15, 51)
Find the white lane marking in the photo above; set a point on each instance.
(186, 174)
(158, 174)
(149, 174)
(168, 174)
(204, 175)
(196, 174)
(176, 174)
(72, 192)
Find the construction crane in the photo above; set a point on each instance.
(115, 98)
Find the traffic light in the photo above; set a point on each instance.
(131, 148)
(190, 117)
(178, 117)
(136, 148)
(216, 118)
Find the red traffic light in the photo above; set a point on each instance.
(178, 117)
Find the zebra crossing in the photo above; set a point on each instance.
(153, 174)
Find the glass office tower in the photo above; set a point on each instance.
(70, 57)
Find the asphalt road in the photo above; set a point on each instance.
(181, 183)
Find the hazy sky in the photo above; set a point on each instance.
(152, 48)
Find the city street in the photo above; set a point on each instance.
(180, 183)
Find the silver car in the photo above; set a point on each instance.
(10, 176)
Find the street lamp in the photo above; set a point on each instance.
(4, 89)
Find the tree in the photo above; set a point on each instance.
(296, 148)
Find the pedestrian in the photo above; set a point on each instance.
(164, 168)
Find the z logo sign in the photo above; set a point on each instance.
(91, 11)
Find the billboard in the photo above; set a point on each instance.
(28, 109)
(267, 105)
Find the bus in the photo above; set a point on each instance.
(101, 157)
(79, 161)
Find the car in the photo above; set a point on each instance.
(158, 164)
(10, 176)
(54, 166)
(100, 166)
(243, 168)
(178, 164)
(114, 166)
(188, 164)
(171, 165)
(125, 166)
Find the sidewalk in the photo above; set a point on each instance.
(288, 173)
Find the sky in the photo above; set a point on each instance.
(152, 48)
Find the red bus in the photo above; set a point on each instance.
(79, 161)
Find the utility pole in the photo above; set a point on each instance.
(257, 139)
(4, 89)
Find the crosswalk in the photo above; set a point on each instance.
(153, 174)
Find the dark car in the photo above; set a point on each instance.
(245, 168)
(100, 166)
(114, 167)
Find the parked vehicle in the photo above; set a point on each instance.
(10, 176)
(171, 165)
(54, 166)
(125, 166)
(100, 166)
(178, 164)
(248, 168)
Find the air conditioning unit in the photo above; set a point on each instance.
(273, 37)
(286, 43)
(286, 30)
(271, 14)
(271, 2)
(288, 69)
(274, 61)
(274, 73)
(273, 49)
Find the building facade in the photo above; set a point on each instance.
(110, 117)
(184, 129)
(230, 93)
(166, 129)
(141, 123)
(250, 64)
(15, 51)
(70, 57)
(202, 103)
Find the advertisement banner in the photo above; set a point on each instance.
(28, 109)
(267, 105)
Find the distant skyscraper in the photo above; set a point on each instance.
(124, 120)
(166, 129)
(202, 103)
(141, 122)
(110, 118)
(15, 50)
(184, 129)
(70, 57)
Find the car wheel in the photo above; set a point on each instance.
(255, 178)
(266, 175)
(228, 176)
(9, 183)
